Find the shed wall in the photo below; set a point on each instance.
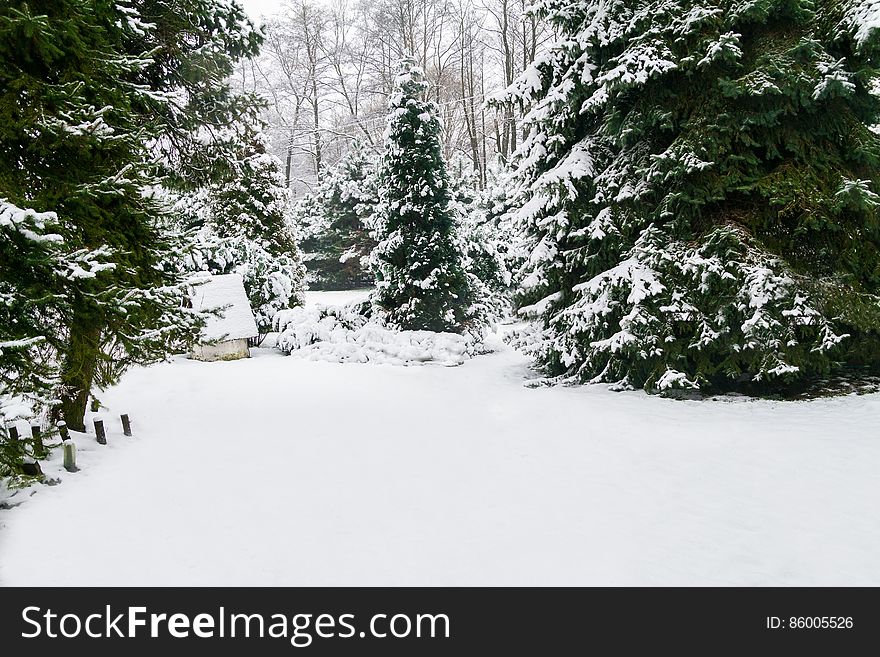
(226, 350)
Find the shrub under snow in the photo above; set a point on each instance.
(344, 335)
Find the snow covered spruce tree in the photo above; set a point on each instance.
(91, 92)
(700, 191)
(36, 270)
(420, 279)
(73, 138)
(29, 263)
(241, 223)
(334, 223)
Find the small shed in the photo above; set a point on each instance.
(225, 336)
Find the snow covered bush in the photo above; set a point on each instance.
(345, 335)
(699, 190)
(421, 282)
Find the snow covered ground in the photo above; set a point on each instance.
(284, 471)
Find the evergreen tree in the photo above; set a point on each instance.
(252, 201)
(494, 209)
(335, 220)
(242, 225)
(90, 91)
(481, 241)
(421, 282)
(35, 271)
(699, 188)
(189, 49)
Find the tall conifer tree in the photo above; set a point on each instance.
(90, 92)
(421, 282)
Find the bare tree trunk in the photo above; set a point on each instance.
(469, 89)
(288, 161)
(317, 143)
(512, 119)
(484, 180)
(466, 83)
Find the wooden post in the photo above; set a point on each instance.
(69, 451)
(62, 429)
(32, 469)
(100, 436)
(126, 424)
(14, 444)
(39, 449)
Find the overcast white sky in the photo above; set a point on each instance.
(257, 8)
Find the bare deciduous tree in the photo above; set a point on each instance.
(327, 70)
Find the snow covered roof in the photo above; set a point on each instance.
(237, 320)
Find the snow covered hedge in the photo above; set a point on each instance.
(347, 335)
(700, 190)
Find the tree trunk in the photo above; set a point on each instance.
(288, 161)
(485, 163)
(80, 363)
(317, 126)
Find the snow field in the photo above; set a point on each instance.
(284, 471)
